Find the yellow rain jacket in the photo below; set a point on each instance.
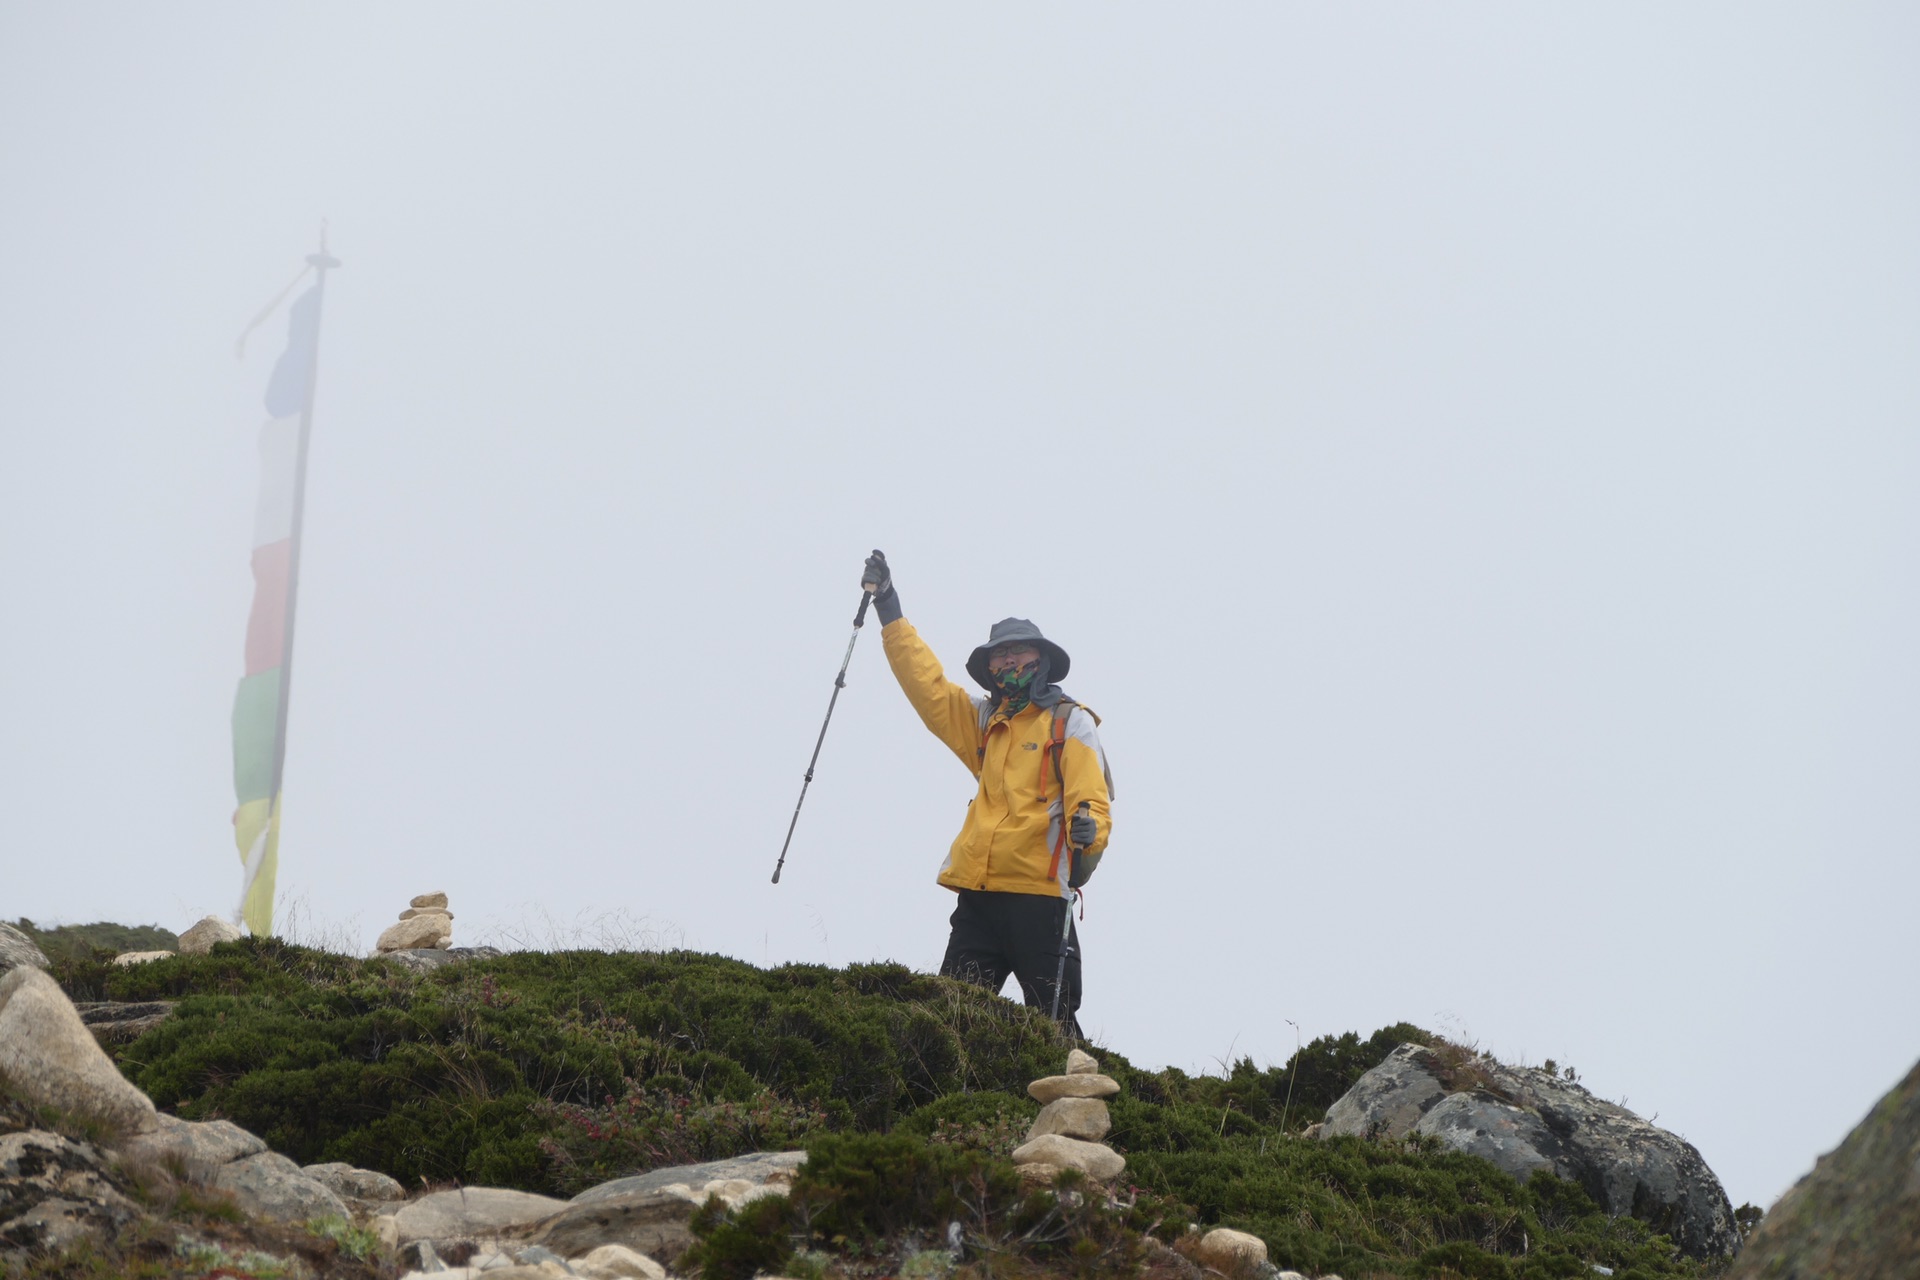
(1011, 840)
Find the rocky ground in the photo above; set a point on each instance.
(1482, 1169)
(93, 1177)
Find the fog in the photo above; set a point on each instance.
(1468, 451)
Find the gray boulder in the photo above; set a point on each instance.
(269, 1185)
(1523, 1119)
(1858, 1212)
(471, 1211)
(427, 959)
(16, 949)
(759, 1167)
(50, 1058)
(352, 1184)
(1512, 1137)
(1389, 1100)
(202, 937)
(652, 1222)
(55, 1192)
(194, 1147)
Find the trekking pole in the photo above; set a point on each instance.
(839, 683)
(1066, 928)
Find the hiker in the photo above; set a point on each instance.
(1037, 755)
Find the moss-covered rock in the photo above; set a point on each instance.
(1858, 1212)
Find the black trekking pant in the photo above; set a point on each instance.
(995, 934)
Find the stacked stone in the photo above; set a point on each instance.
(426, 923)
(1067, 1132)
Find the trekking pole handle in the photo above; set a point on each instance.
(866, 598)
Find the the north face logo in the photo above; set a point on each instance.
(1031, 746)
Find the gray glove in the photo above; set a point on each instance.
(886, 601)
(1081, 831)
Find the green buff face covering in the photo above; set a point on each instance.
(1016, 686)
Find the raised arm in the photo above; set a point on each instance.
(945, 707)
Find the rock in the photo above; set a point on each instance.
(51, 1059)
(1072, 1118)
(421, 1256)
(1227, 1250)
(192, 1146)
(1530, 1118)
(1389, 1100)
(1099, 1162)
(651, 1222)
(17, 949)
(1515, 1140)
(1081, 1064)
(55, 1192)
(116, 1022)
(269, 1185)
(1034, 1176)
(617, 1262)
(412, 912)
(536, 1271)
(350, 1183)
(200, 939)
(427, 901)
(384, 1226)
(1084, 1085)
(1857, 1213)
(126, 958)
(426, 959)
(762, 1167)
(422, 931)
(471, 1211)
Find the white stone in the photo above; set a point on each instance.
(199, 940)
(358, 1184)
(427, 930)
(16, 948)
(387, 1227)
(429, 900)
(1085, 1118)
(411, 912)
(617, 1262)
(469, 1211)
(51, 1059)
(269, 1185)
(196, 1146)
(141, 957)
(1226, 1250)
(1085, 1085)
(1081, 1064)
(1094, 1159)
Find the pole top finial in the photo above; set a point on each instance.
(322, 261)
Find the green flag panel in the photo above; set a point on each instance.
(256, 716)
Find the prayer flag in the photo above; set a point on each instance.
(260, 705)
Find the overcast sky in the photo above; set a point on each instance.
(1468, 450)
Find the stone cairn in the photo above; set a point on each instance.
(1072, 1120)
(425, 924)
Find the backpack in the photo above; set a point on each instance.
(1084, 865)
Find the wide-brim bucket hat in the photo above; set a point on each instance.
(1017, 631)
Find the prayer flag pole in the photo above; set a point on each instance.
(277, 541)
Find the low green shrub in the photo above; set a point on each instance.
(84, 939)
(550, 1071)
